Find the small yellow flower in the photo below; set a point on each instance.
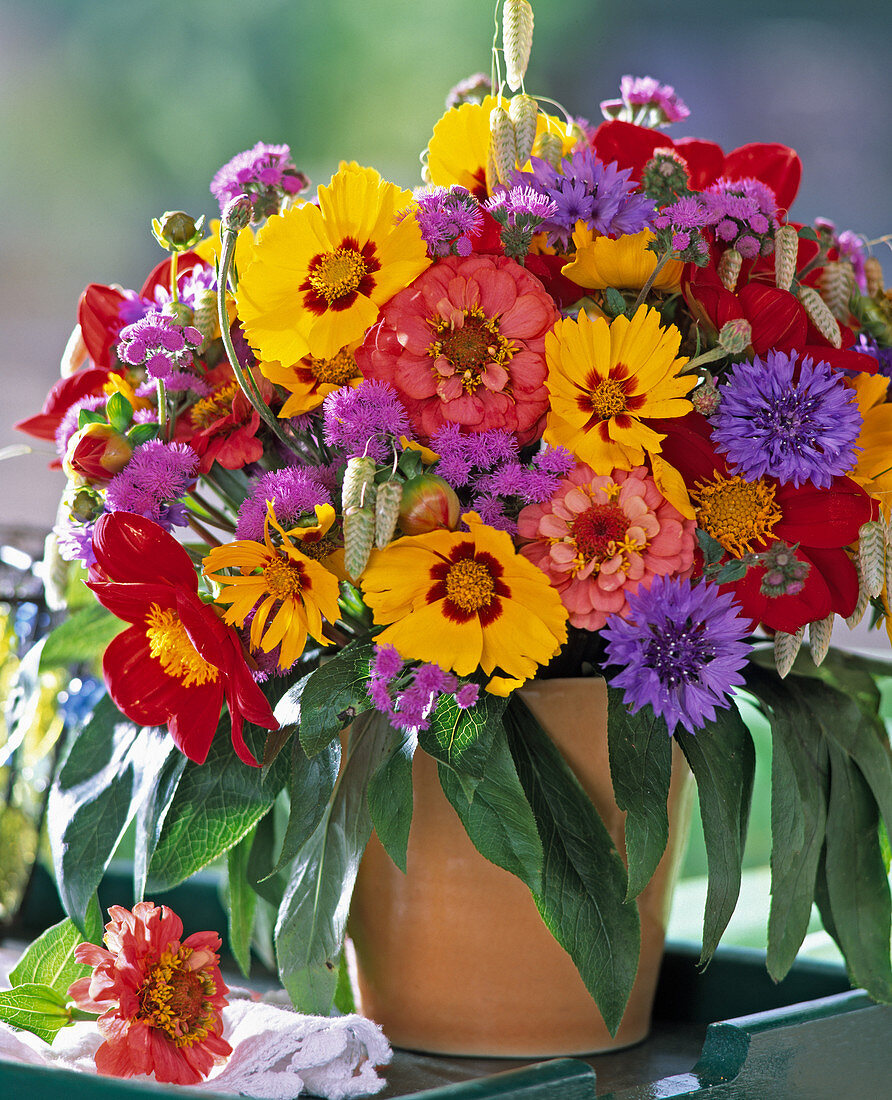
(873, 471)
(311, 380)
(626, 263)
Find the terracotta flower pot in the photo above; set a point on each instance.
(453, 957)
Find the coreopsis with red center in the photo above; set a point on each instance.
(160, 997)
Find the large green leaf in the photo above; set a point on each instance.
(312, 781)
(241, 902)
(723, 760)
(462, 737)
(35, 1008)
(151, 815)
(390, 798)
(641, 769)
(313, 914)
(107, 773)
(856, 880)
(82, 637)
(584, 882)
(215, 805)
(49, 960)
(330, 698)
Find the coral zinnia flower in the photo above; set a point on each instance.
(311, 380)
(321, 273)
(600, 538)
(465, 344)
(178, 661)
(277, 576)
(465, 600)
(607, 380)
(160, 996)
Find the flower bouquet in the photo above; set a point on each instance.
(585, 404)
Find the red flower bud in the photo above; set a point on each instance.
(96, 453)
(429, 504)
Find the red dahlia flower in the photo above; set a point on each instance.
(160, 997)
(177, 661)
(748, 516)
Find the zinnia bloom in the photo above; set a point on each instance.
(600, 538)
(289, 590)
(680, 650)
(465, 601)
(160, 996)
(321, 273)
(607, 380)
(177, 662)
(466, 344)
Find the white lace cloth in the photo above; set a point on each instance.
(277, 1054)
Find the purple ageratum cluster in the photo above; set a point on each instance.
(164, 348)
(294, 492)
(584, 189)
(266, 174)
(742, 214)
(679, 228)
(408, 694)
(646, 102)
(449, 219)
(680, 650)
(364, 420)
(790, 419)
(153, 481)
(519, 211)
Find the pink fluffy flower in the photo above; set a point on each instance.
(160, 997)
(465, 344)
(602, 537)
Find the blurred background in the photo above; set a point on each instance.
(111, 113)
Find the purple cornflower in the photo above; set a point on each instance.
(680, 650)
(408, 694)
(294, 492)
(793, 420)
(361, 421)
(163, 347)
(448, 218)
(584, 189)
(264, 173)
(743, 214)
(153, 481)
(646, 102)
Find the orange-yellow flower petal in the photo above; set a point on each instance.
(626, 263)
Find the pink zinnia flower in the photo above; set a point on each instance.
(600, 538)
(160, 998)
(465, 344)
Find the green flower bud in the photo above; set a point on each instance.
(177, 231)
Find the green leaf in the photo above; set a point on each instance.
(82, 637)
(614, 302)
(344, 1000)
(463, 737)
(242, 902)
(583, 899)
(105, 776)
(806, 233)
(723, 761)
(49, 960)
(35, 1008)
(142, 433)
(712, 550)
(732, 571)
(215, 804)
(151, 816)
(641, 768)
(312, 781)
(857, 885)
(390, 799)
(331, 697)
(89, 416)
(497, 816)
(119, 412)
(313, 914)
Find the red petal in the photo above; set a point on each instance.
(159, 276)
(629, 145)
(777, 318)
(59, 400)
(772, 163)
(98, 314)
(705, 161)
(786, 613)
(547, 270)
(827, 518)
(135, 550)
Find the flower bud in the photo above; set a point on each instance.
(429, 504)
(95, 454)
(85, 506)
(237, 213)
(736, 335)
(177, 231)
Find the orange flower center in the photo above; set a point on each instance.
(338, 273)
(470, 585)
(218, 404)
(284, 578)
(608, 399)
(736, 513)
(470, 346)
(337, 371)
(598, 532)
(170, 643)
(175, 999)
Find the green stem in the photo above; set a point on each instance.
(645, 290)
(174, 261)
(718, 352)
(162, 407)
(75, 1014)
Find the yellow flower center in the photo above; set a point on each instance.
(213, 407)
(608, 399)
(174, 998)
(470, 346)
(469, 585)
(284, 578)
(338, 273)
(337, 371)
(170, 643)
(736, 513)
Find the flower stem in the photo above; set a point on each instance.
(652, 278)
(174, 259)
(162, 406)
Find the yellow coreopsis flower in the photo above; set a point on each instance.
(311, 380)
(288, 591)
(320, 273)
(873, 470)
(465, 600)
(607, 380)
(626, 263)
